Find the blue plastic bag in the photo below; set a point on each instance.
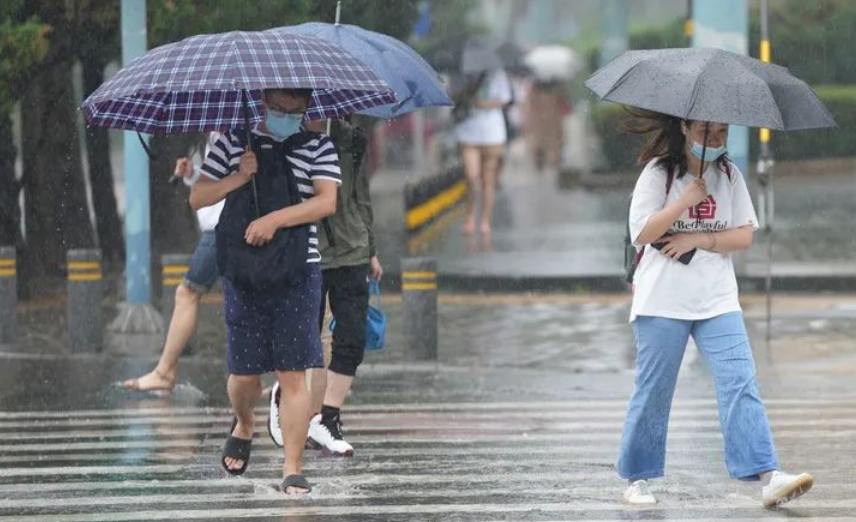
(375, 321)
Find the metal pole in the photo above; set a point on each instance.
(765, 180)
(136, 314)
(688, 24)
(338, 12)
(137, 223)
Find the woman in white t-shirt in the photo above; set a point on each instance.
(673, 213)
(481, 137)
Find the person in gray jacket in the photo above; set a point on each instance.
(348, 260)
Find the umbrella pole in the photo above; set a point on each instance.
(245, 99)
(338, 20)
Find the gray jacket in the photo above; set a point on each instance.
(351, 225)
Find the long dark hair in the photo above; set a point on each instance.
(667, 143)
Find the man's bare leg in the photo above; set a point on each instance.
(294, 421)
(181, 328)
(244, 393)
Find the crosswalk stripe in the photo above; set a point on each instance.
(452, 433)
(390, 510)
(461, 460)
(270, 494)
(574, 405)
(803, 415)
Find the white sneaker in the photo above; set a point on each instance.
(329, 437)
(784, 487)
(274, 429)
(637, 493)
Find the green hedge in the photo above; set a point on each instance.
(620, 149)
(827, 143)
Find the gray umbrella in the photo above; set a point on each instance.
(711, 85)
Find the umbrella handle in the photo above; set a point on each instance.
(245, 100)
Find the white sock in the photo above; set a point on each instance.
(766, 477)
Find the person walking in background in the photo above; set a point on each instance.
(546, 108)
(201, 276)
(687, 227)
(481, 135)
(268, 256)
(348, 260)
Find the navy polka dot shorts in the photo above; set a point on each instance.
(274, 330)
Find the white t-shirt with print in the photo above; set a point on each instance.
(707, 286)
(487, 126)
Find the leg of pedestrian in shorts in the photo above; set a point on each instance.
(491, 157)
(201, 276)
(274, 330)
(471, 161)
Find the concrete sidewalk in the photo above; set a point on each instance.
(547, 237)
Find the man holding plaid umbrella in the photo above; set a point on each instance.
(276, 179)
(272, 327)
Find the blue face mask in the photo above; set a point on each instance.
(710, 154)
(282, 125)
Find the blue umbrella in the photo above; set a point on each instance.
(202, 83)
(415, 83)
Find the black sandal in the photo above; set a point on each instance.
(236, 448)
(296, 481)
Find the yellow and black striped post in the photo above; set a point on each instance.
(8, 296)
(85, 295)
(419, 297)
(174, 268)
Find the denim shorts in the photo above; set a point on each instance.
(274, 329)
(203, 271)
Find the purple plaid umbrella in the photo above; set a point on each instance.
(197, 84)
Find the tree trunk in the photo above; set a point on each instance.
(107, 222)
(56, 210)
(174, 228)
(10, 213)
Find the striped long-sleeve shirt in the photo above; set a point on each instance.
(314, 160)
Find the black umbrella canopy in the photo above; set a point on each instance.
(711, 85)
(479, 56)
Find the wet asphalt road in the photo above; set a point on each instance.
(519, 419)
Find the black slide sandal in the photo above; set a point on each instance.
(296, 481)
(236, 448)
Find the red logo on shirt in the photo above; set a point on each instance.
(704, 210)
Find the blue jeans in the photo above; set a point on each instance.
(660, 345)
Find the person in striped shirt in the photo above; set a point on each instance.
(273, 329)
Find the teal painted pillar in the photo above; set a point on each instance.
(724, 24)
(614, 27)
(138, 276)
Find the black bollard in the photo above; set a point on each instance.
(8, 296)
(173, 269)
(85, 294)
(419, 297)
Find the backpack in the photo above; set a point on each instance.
(282, 262)
(632, 257)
